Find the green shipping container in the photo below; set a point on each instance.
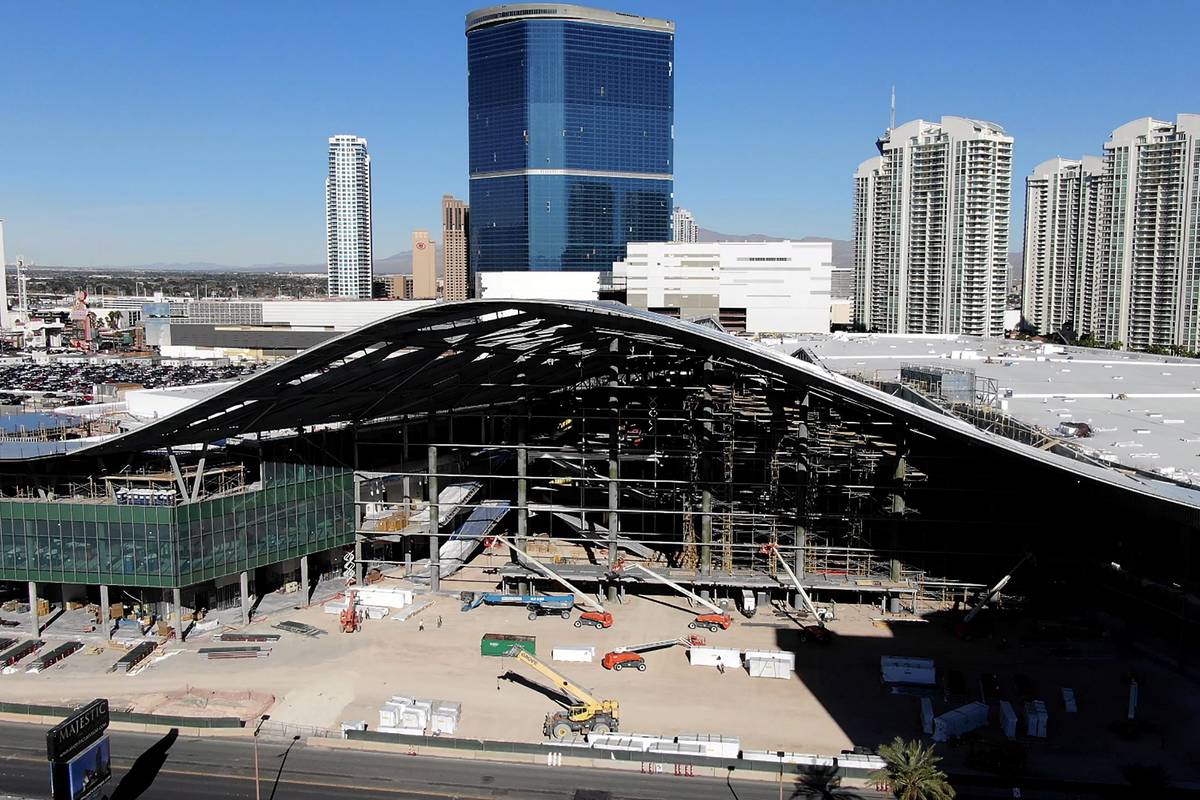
(500, 644)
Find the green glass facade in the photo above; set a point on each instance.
(301, 509)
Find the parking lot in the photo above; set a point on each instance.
(71, 382)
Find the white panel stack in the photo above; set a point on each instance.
(926, 715)
(712, 656)
(386, 598)
(444, 717)
(1008, 719)
(961, 720)
(1069, 700)
(770, 664)
(413, 715)
(1036, 718)
(573, 653)
(898, 669)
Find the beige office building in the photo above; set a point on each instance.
(424, 266)
(455, 270)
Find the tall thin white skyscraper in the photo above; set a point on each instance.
(931, 229)
(1148, 281)
(349, 246)
(683, 226)
(1061, 214)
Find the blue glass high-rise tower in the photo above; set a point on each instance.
(571, 135)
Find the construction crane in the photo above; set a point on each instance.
(818, 632)
(538, 604)
(621, 657)
(585, 714)
(598, 617)
(714, 621)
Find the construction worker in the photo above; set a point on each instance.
(421, 625)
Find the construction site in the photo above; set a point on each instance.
(587, 525)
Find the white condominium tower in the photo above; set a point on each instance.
(931, 217)
(348, 218)
(683, 226)
(1148, 271)
(1062, 210)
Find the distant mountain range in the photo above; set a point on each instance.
(843, 249)
(843, 256)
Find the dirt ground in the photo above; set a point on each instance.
(834, 701)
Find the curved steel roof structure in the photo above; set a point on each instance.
(414, 362)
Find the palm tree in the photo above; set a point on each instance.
(912, 771)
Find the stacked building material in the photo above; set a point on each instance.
(903, 670)
(230, 636)
(299, 628)
(727, 657)
(1008, 719)
(415, 716)
(771, 664)
(17, 652)
(959, 721)
(137, 655)
(225, 653)
(54, 656)
(1036, 718)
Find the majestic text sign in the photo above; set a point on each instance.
(77, 731)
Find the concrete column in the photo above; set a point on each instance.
(304, 581)
(106, 625)
(435, 561)
(522, 486)
(245, 593)
(801, 538)
(359, 569)
(706, 527)
(35, 627)
(898, 509)
(614, 520)
(177, 602)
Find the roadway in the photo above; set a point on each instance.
(152, 766)
(147, 766)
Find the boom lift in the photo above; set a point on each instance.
(816, 632)
(622, 657)
(586, 714)
(350, 620)
(714, 621)
(538, 604)
(963, 629)
(598, 616)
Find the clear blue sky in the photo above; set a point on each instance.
(136, 132)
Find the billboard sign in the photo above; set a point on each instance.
(83, 775)
(78, 750)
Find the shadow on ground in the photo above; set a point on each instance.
(145, 769)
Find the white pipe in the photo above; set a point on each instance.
(808, 603)
(677, 587)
